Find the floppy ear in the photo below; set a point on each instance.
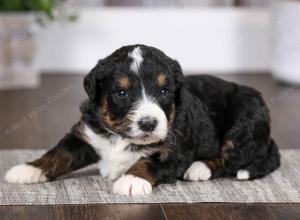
(89, 83)
(92, 80)
(177, 71)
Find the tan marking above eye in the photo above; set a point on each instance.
(124, 82)
(161, 80)
(228, 144)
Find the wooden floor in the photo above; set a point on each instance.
(39, 118)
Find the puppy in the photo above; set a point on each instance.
(146, 124)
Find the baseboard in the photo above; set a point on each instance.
(20, 81)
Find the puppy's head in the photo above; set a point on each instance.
(135, 90)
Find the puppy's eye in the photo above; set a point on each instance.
(121, 93)
(163, 91)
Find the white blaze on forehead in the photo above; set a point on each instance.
(137, 59)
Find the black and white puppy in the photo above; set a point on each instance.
(146, 124)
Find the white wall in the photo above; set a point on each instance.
(210, 40)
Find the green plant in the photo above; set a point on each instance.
(45, 6)
(54, 9)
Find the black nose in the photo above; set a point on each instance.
(147, 124)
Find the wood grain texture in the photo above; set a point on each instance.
(82, 212)
(232, 211)
(39, 118)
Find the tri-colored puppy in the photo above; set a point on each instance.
(146, 124)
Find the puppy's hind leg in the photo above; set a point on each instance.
(248, 151)
(261, 166)
(207, 169)
(254, 154)
(70, 154)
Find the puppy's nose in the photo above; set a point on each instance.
(147, 124)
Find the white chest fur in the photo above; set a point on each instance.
(115, 160)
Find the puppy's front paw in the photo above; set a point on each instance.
(132, 186)
(197, 171)
(25, 173)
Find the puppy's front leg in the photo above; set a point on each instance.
(149, 172)
(138, 180)
(70, 154)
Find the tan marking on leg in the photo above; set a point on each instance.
(54, 163)
(215, 164)
(142, 169)
(220, 161)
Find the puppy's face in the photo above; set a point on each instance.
(135, 90)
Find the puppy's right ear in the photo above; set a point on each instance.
(89, 83)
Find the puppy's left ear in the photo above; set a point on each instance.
(92, 80)
(177, 71)
(89, 84)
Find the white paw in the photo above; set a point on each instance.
(197, 171)
(25, 173)
(243, 175)
(130, 185)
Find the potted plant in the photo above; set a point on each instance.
(18, 27)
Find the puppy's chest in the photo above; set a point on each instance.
(116, 158)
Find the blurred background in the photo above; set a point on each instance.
(206, 36)
(48, 45)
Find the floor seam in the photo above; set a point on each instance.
(163, 212)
